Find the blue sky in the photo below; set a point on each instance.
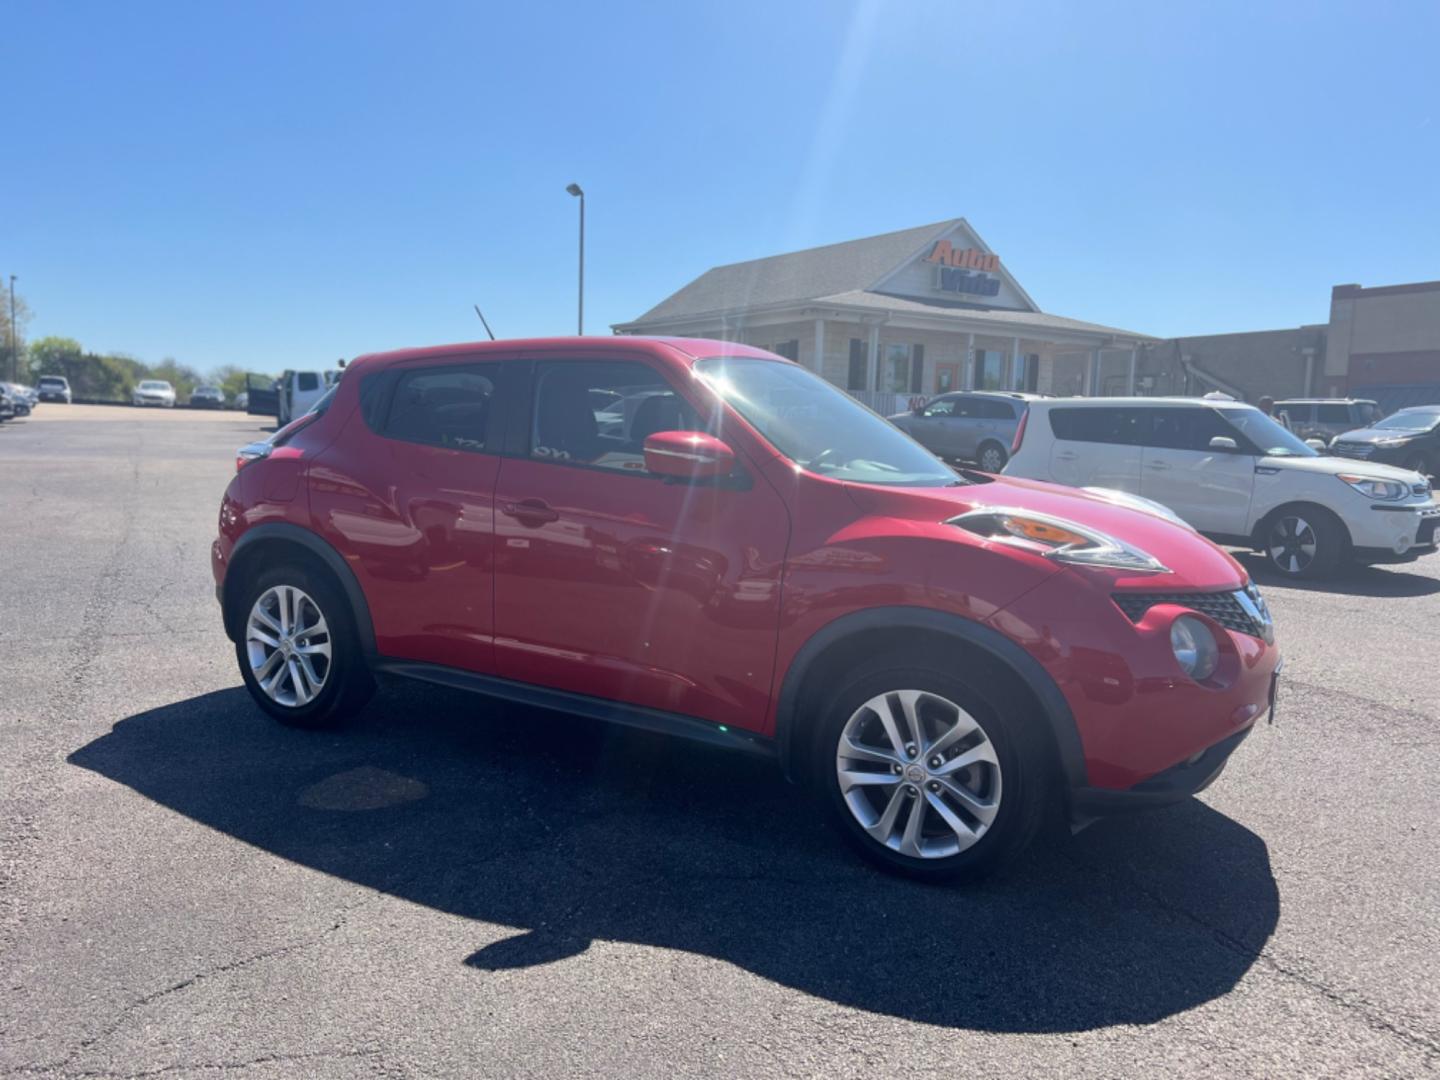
(278, 185)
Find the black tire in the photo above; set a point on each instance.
(991, 457)
(347, 684)
(1024, 768)
(1303, 543)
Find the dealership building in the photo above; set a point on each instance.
(908, 313)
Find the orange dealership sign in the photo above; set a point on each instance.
(945, 254)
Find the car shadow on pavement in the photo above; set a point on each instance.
(1376, 581)
(572, 832)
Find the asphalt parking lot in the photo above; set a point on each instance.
(448, 889)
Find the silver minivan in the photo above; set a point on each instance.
(967, 426)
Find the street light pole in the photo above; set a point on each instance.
(574, 189)
(14, 356)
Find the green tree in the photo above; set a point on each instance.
(12, 366)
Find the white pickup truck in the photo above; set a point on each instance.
(290, 395)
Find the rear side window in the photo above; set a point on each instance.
(307, 380)
(446, 406)
(996, 410)
(599, 413)
(1190, 429)
(1118, 426)
(1333, 414)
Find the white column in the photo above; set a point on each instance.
(1015, 363)
(1131, 391)
(820, 347)
(967, 376)
(874, 361)
(1092, 373)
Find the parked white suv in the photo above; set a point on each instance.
(1235, 475)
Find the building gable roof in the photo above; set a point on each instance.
(851, 266)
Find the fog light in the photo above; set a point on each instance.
(1194, 647)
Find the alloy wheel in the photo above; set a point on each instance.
(918, 773)
(287, 642)
(992, 460)
(1292, 544)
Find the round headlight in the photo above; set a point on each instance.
(1194, 646)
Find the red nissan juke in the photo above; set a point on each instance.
(702, 538)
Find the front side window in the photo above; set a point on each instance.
(940, 407)
(599, 413)
(1333, 414)
(307, 380)
(1189, 429)
(445, 406)
(819, 427)
(1116, 426)
(1298, 414)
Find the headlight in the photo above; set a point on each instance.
(1399, 440)
(1058, 539)
(1194, 647)
(1372, 487)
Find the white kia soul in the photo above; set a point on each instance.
(1233, 474)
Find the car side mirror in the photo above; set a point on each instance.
(1317, 445)
(688, 455)
(1224, 442)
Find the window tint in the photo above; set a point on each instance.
(599, 413)
(1333, 414)
(445, 406)
(1098, 425)
(1297, 413)
(1189, 429)
(306, 380)
(996, 410)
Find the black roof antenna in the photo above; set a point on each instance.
(483, 322)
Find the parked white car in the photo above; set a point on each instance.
(154, 392)
(1235, 475)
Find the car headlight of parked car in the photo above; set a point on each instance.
(1058, 539)
(1372, 487)
(1194, 647)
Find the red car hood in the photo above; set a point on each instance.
(1194, 562)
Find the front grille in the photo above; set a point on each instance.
(1224, 607)
(1360, 450)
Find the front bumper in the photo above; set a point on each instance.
(1175, 784)
(1396, 533)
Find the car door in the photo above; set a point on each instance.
(1097, 446)
(407, 491)
(927, 427)
(1208, 487)
(615, 583)
(998, 420)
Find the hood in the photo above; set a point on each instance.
(1334, 466)
(1375, 435)
(1193, 562)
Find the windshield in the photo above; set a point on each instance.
(1408, 421)
(820, 427)
(51, 380)
(1272, 439)
(151, 384)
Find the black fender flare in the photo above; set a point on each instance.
(333, 561)
(1070, 754)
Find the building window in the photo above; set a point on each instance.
(856, 379)
(790, 350)
(989, 369)
(895, 369)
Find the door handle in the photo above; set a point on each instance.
(530, 512)
(1068, 455)
(1158, 466)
